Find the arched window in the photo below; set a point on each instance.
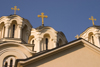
(33, 42)
(11, 63)
(46, 42)
(6, 64)
(44, 45)
(33, 46)
(13, 31)
(92, 39)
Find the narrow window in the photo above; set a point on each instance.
(33, 42)
(6, 64)
(11, 63)
(13, 31)
(33, 46)
(92, 40)
(46, 41)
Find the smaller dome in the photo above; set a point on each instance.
(92, 34)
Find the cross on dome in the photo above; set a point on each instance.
(42, 16)
(15, 8)
(92, 19)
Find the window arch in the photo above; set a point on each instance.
(91, 37)
(45, 42)
(12, 29)
(32, 41)
(9, 60)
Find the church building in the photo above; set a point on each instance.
(21, 45)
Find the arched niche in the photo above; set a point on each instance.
(13, 29)
(59, 42)
(25, 33)
(46, 35)
(31, 39)
(11, 53)
(91, 37)
(9, 61)
(45, 43)
(2, 30)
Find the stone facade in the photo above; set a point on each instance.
(21, 45)
(78, 53)
(18, 40)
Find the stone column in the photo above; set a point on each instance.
(7, 30)
(8, 64)
(55, 40)
(96, 40)
(37, 45)
(19, 31)
(3, 32)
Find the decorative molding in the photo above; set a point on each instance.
(11, 49)
(7, 25)
(39, 39)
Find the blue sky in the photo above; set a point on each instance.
(69, 16)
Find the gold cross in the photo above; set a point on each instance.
(92, 19)
(42, 16)
(77, 36)
(15, 8)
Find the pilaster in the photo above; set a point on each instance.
(19, 31)
(55, 42)
(96, 40)
(7, 30)
(37, 46)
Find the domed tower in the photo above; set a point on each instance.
(92, 34)
(18, 40)
(14, 35)
(14, 28)
(46, 38)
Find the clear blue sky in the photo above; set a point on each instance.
(69, 16)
